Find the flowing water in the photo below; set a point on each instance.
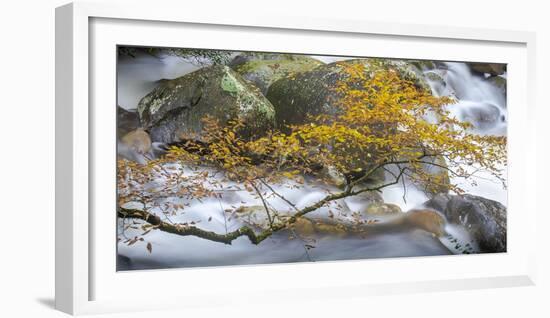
(479, 101)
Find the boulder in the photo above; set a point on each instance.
(382, 209)
(423, 65)
(255, 56)
(138, 141)
(425, 219)
(136, 146)
(127, 120)
(256, 217)
(325, 228)
(484, 219)
(312, 92)
(482, 116)
(297, 96)
(303, 227)
(264, 69)
(492, 69)
(175, 108)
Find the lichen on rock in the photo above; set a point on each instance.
(313, 92)
(263, 70)
(176, 107)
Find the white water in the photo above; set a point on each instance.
(475, 95)
(171, 251)
(138, 76)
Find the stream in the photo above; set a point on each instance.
(479, 101)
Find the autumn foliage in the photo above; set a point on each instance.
(384, 123)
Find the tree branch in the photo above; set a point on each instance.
(228, 238)
(263, 202)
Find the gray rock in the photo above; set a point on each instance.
(482, 116)
(175, 108)
(423, 65)
(127, 120)
(300, 95)
(493, 69)
(255, 56)
(312, 92)
(264, 69)
(484, 219)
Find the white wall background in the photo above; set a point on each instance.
(27, 158)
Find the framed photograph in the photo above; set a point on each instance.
(263, 157)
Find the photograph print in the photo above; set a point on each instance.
(243, 158)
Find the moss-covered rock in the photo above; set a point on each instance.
(436, 81)
(435, 77)
(312, 93)
(176, 107)
(423, 65)
(263, 70)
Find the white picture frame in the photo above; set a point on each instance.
(85, 280)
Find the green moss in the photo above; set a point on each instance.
(176, 107)
(423, 65)
(433, 76)
(264, 72)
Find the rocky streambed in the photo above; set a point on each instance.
(272, 90)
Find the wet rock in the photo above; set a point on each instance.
(297, 96)
(437, 82)
(257, 56)
(493, 69)
(175, 108)
(482, 116)
(303, 227)
(484, 219)
(423, 65)
(127, 120)
(264, 69)
(325, 228)
(136, 146)
(425, 219)
(137, 140)
(381, 209)
(435, 77)
(312, 92)
(255, 216)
